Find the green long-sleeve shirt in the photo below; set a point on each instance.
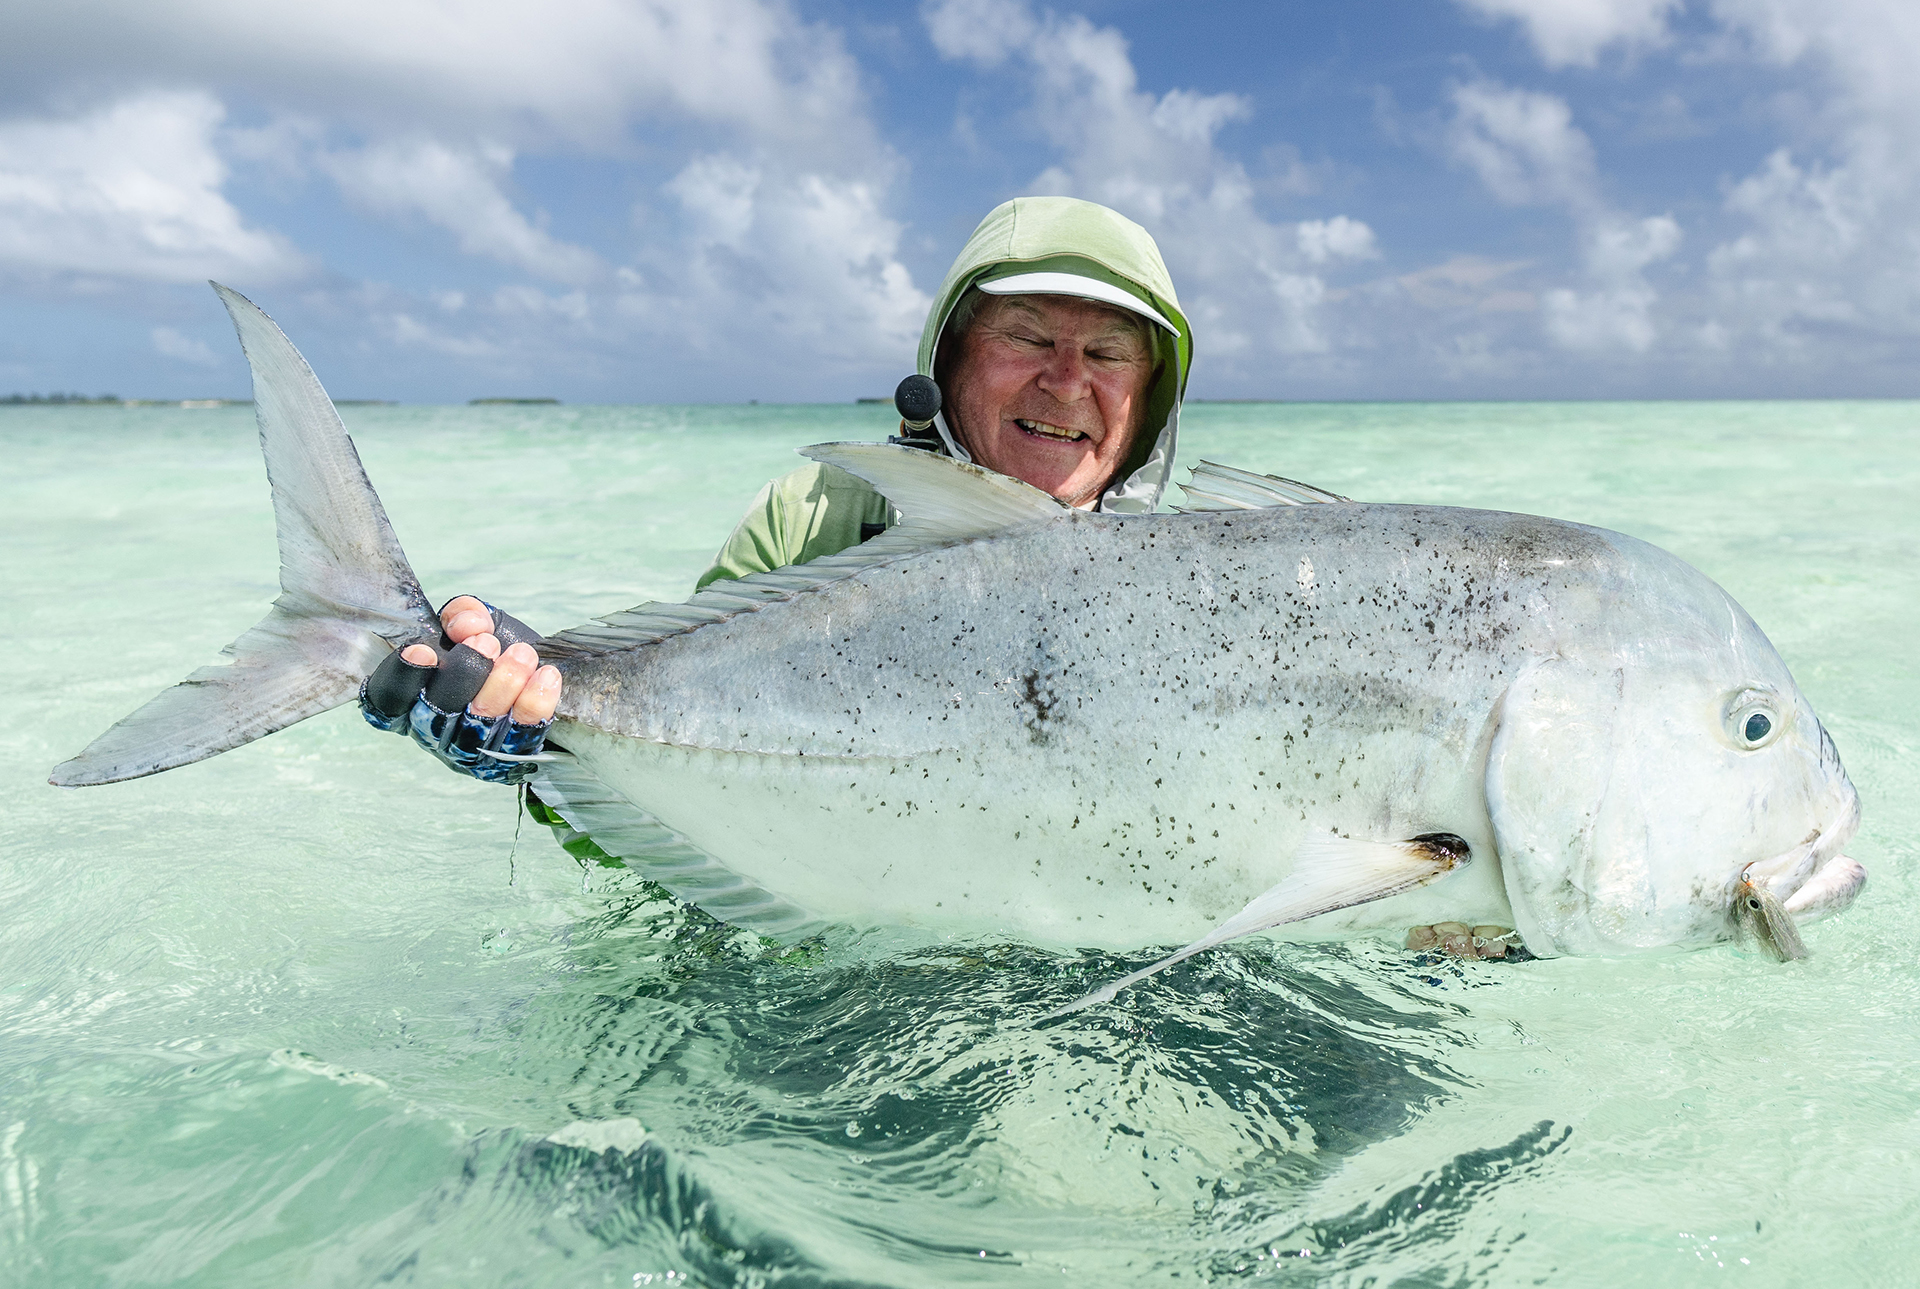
(816, 510)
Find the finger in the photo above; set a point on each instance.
(510, 673)
(459, 677)
(456, 606)
(392, 687)
(468, 623)
(539, 698)
(484, 643)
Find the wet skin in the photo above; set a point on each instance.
(1077, 370)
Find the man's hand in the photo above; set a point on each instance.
(483, 711)
(518, 683)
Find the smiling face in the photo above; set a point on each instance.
(1051, 390)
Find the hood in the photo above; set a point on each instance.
(1063, 234)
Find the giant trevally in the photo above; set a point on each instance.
(1007, 716)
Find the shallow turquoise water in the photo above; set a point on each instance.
(302, 1014)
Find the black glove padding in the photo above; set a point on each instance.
(394, 684)
(462, 671)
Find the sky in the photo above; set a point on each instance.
(725, 200)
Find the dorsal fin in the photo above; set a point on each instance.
(944, 502)
(1221, 487)
(943, 499)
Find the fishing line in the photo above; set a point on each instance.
(519, 813)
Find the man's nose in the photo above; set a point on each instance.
(1066, 376)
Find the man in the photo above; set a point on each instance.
(1061, 354)
(1034, 265)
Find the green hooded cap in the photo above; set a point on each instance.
(1066, 235)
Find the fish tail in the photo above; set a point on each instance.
(347, 594)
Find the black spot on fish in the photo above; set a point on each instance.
(1040, 704)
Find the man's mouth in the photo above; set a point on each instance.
(1045, 431)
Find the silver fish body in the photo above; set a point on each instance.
(1116, 730)
(1007, 717)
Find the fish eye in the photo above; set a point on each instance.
(1753, 718)
(1753, 901)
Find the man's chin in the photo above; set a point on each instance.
(1051, 474)
(1064, 469)
(1070, 487)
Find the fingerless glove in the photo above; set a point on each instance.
(429, 703)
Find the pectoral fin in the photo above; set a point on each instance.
(1329, 873)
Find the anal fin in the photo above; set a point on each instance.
(656, 852)
(1329, 873)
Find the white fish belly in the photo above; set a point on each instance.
(963, 845)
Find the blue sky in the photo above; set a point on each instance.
(644, 200)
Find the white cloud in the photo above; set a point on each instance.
(424, 113)
(1526, 149)
(1814, 273)
(1575, 32)
(409, 332)
(132, 189)
(982, 31)
(751, 276)
(768, 261)
(1466, 282)
(566, 306)
(460, 190)
(1824, 265)
(1196, 118)
(172, 344)
(436, 101)
(769, 233)
(1252, 286)
(1339, 238)
(1523, 145)
(576, 70)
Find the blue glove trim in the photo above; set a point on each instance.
(431, 728)
(522, 740)
(461, 742)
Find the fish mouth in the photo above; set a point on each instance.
(1813, 880)
(1049, 432)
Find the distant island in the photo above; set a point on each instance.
(15, 400)
(114, 400)
(477, 402)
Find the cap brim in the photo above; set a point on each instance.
(1073, 284)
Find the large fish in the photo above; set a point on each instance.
(1008, 716)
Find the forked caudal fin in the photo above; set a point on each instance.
(347, 594)
(1329, 873)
